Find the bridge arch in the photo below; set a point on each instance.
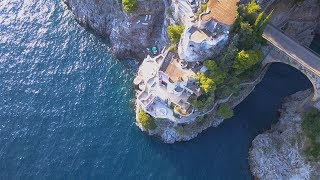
(288, 51)
(314, 80)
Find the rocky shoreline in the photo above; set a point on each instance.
(128, 37)
(278, 152)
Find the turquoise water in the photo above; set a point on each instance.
(66, 108)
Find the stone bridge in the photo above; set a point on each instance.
(288, 51)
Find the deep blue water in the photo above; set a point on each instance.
(66, 108)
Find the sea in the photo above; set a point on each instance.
(67, 108)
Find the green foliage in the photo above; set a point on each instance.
(311, 127)
(146, 121)
(250, 11)
(215, 73)
(204, 7)
(130, 5)
(247, 37)
(246, 59)
(175, 32)
(173, 48)
(206, 83)
(202, 103)
(228, 87)
(249, 25)
(211, 65)
(225, 111)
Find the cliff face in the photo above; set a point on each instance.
(278, 153)
(129, 34)
(297, 20)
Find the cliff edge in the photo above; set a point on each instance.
(130, 34)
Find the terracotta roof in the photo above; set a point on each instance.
(175, 73)
(223, 11)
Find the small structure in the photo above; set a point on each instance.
(164, 84)
(207, 38)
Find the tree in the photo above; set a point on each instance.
(251, 11)
(246, 59)
(246, 36)
(130, 5)
(211, 65)
(175, 32)
(225, 111)
(206, 83)
(146, 121)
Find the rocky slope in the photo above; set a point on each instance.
(278, 153)
(299, 20)
(129, 34)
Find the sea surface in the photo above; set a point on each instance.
(66, 108)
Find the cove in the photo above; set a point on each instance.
(66, 108)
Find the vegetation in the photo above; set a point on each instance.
(238, 62)
(204, 7)
(250, 24)
(246, 60)
(130, 5)
(311, 127)
(173, 48)
(212, 77)
(225, 111)
(202, 103)
(175, 32)
(146, 121)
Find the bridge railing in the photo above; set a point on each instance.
(308, 48)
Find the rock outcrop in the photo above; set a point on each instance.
(298, 20)
(278, 153)
(130, 34)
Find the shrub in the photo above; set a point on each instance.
(207, 84)
(146, 121)
(204, 7)
(246, 59)
(246, 36)
(173, 48)
(175, 32)
(130, 5)
(225, 111)
(311, 127)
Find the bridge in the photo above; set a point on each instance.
(288, 51)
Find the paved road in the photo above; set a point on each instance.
(293, 49)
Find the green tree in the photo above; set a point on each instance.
(130, 5)
(246, 36)
(259, 20)
(175, 32)
(225, 111)
(146, 121)
(211, 65)
(246, 59)
(249, 12)
(207, 84)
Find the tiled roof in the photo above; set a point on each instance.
(223, 11)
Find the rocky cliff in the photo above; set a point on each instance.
(298, 20)
(278, 153)
(130, 34)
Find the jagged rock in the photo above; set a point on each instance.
(129, 34)
(297, 20)
(278, 153)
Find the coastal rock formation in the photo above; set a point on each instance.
(298, 20)
(278, 153)
(130, 34)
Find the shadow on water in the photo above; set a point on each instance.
(222, 152)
